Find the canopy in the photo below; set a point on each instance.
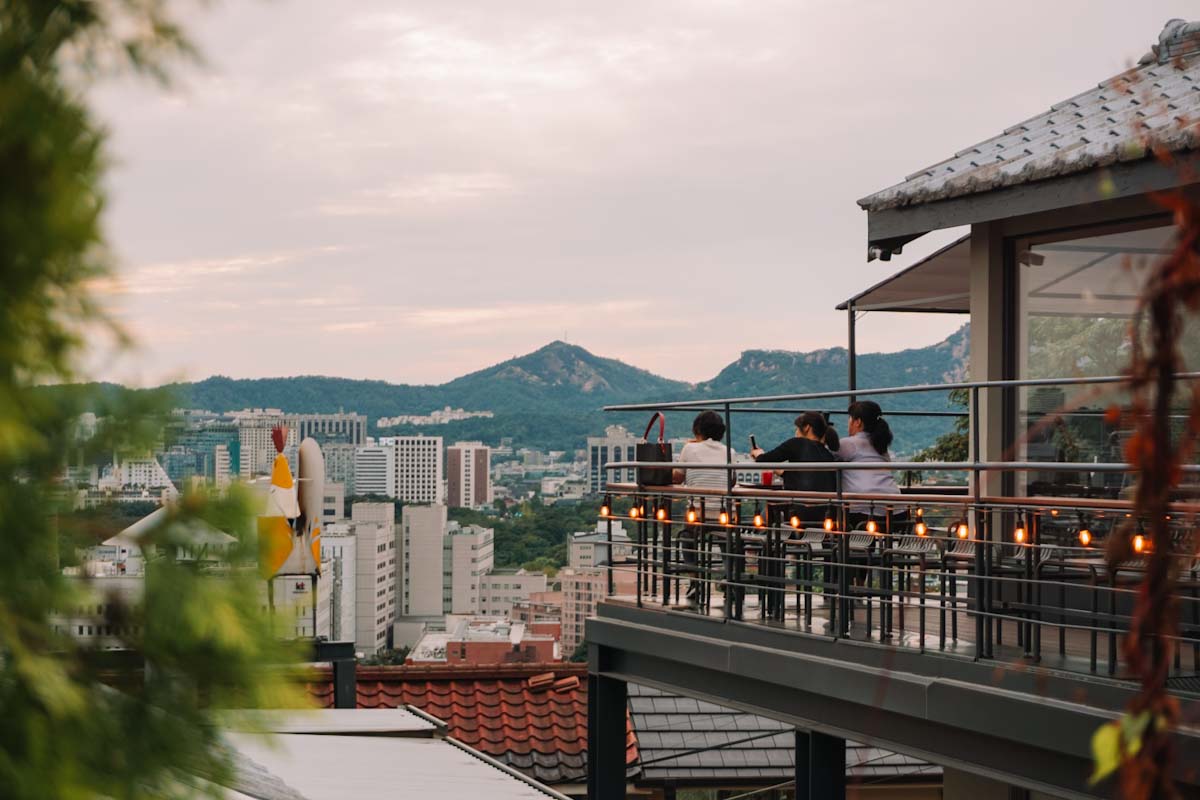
(937, 284)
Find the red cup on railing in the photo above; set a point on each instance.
(768, 477)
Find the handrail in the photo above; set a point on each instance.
(926, 387)
(898, 466)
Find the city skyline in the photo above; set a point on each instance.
(411, 196)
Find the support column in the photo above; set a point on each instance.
(820, 766)
(987, 345)
(851, 353)
(606, 734)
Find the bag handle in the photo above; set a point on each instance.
(662, 427)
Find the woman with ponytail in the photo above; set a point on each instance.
(869, 440)
(815, 440)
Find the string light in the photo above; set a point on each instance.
(828, 523)
(1139, 543)
(605, 510)
(920, 512)
(794, 521)
(758, 520)
(633, 512)
(1054, 512)
(1020, 534)
(872, 526)
(962, 530)
(661, 514)
(1085, 537)
(921, 529)
(724, 518)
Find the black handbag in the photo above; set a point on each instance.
(655, 451)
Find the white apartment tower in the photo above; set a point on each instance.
(254, 440)
(375, 575)
(617, 444)
(467, 558)
(375, 470)
(418, 468)
(468, 475)
(424, 575)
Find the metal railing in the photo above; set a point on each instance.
(988, 576)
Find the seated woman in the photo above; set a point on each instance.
(708, 429)
(869, 440)
(815, 440)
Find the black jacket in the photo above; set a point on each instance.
(799, 449)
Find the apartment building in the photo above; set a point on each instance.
(468, 555)
(468, 475)
(422, 575)
(375, 470)
(617, 444)
(418, 468)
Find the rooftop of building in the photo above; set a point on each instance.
(1153, 105)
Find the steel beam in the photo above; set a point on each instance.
(606, 733)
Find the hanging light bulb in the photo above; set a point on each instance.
(1054, 512)
(872, 526)
(605, 510)
(758, 520)
(633, 512)
(828, 523)
(962, 530)
(724, 518)
(661, 514)
(920, 512)
(691, 514)
(794, 521)
(1085, 537)
(1021, 533)
(921, 529)
(1139, 543)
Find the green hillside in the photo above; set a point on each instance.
(552, 398)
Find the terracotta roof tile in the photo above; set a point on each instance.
(532, 717)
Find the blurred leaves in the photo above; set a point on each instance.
(80, 722)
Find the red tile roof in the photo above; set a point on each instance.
(531, 716)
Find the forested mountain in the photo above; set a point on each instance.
(553, 397)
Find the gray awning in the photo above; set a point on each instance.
(937, 284)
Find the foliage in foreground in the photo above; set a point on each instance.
(77, 721)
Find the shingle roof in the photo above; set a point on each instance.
(532, 717)
(1153, 105)
(737, 747)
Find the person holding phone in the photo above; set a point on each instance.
(815, 440)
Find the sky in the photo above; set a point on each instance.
(413, 191)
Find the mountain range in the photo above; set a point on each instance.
(552, 397)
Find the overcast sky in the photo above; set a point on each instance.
(411, 191)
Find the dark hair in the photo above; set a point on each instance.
(709, 425)
(820, 427)
(870, 415)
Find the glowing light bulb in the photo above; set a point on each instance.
(633, 512)
(1085, 537)
(962, 530)
(829, 523)
(604, 511)
(921, 529)
(758, 520)
(1054, 512)
(872, 526)
(920, 512)
(661, 514)
(691, 515)
(724, 517)
(1139, 543)
(795, 521)
(1019, 535)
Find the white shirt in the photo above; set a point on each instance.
(875, 481)
(710, 451)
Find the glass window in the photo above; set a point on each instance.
(1077, 299)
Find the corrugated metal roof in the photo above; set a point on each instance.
(736, 746)
(373, 721)
(1156, 104)
(324, 767)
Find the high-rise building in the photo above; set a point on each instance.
(468, 475)
(222, 465)
(339, 463)
(341, 428)
(375, 470)
(418, 468)
(617, 444)
(375, 576)
(423, 575)
(467, 558)
(254, 438)
(339, 548)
